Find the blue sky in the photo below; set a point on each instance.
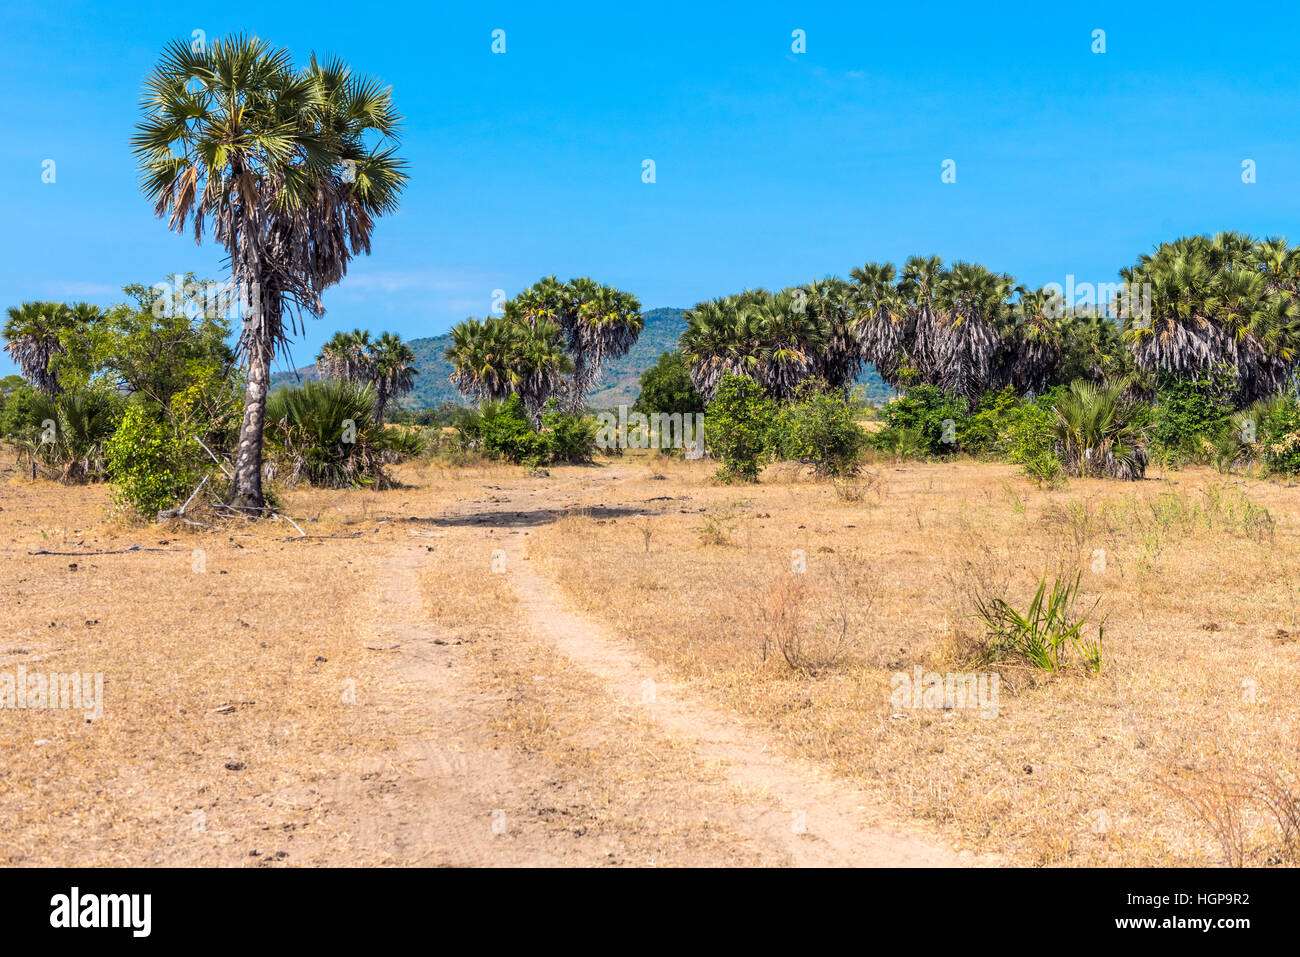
(772, 167)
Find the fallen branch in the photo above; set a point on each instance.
(301, 533)
(300, 538)
(178, 512)
(220, 464)
(115, 551)
(254, 508)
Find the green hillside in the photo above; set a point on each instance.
(619, 383)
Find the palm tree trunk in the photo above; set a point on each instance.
(247, 491)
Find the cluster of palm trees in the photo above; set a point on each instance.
(290, 168)
(551, 342)
(1227, 300)
(962, 328)
(967, 330)
(384, 364)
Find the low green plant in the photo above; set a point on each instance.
(819, 427)
(1049, 625)
(1188, 411)
(508, 434)
(1097, 433)
(569, 437)
(932, 420)
(326, 433)
(65, 435)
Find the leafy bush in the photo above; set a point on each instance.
(19, 412)
(1189, 412)
(936, 418)
(149, 463)
(738, 425)
(986, 430)
(1038, 635)
(569, 437)
(506, 433)
(1275, 424)
(666, 387)
(819, 427)
(326, 433)
(901, 443)
(1097, 433)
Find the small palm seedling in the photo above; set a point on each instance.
(1049, 625)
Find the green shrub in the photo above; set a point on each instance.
(1038, 635)
(819, 427)
(149, 464)
(569, 437)
(1098, 434)
(326, 434)
(738, 424)
(1275, 424)
(507, 434)
(1030, 438)
(666, 387)
(19, 412)
(65, 434)
(986, 430)
(936, 418)
(1189, 413)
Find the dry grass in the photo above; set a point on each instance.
(1195, 585)
(1182, 751)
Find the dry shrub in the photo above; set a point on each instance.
(865, 488)
(1216, 798)
(1222, 798)
(815, 619)
(723, 523)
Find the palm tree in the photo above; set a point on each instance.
(346, 356)
(599, 323)
(1096, 434)
(306, 425)
(500, 356)
(1033, 342)
(33, 339)
(290, 169)
(884, 326)
(1227, 300)
(73, 451)
(777, 339)
(391, 371)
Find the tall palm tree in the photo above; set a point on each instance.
(499, 356)
(711, 344)
(918, 287)
(289, 167)
(391, 371)
(972, 302)
(346, 356)
(884, 326)
(1033, 341)
(34, 339)
(831, 305)
(599, 323)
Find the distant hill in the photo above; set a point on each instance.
(620, 381)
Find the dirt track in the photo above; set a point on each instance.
(704, 789)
